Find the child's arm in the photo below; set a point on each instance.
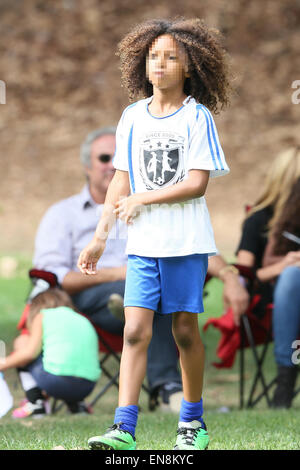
(193, 187)
(32, 349)
(118, 188)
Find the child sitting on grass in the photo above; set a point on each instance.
(59, 356)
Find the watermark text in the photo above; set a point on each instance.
(296, 354)
(296, 94)
(2, 92)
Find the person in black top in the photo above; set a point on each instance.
(282, 258)
(263, 220)
(255, 235)
(264, 214)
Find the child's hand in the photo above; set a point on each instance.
(128, 208)
(90, 255)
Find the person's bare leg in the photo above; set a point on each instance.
(186, 334)
(137, 336)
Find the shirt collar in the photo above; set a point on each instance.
(188, 99)
(86, 198)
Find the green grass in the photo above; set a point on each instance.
(238, 430)
(259, 428)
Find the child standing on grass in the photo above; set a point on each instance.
(167, 147)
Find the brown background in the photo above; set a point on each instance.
(58, 61)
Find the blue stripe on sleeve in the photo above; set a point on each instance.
(130, 136)
(130, 106)
(130, 160)
(214, 136)
(199, 106)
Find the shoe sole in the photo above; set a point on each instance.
(175, 448)
(100, 446)
(104, 446)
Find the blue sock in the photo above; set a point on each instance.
(128, 415)
(191, 411)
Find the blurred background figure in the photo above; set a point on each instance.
(264, 246)
(58, 356)
(282, 258)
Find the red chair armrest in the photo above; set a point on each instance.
(47, 276)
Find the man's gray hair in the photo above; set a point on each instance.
(85, 149)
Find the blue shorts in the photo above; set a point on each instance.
(166, 285)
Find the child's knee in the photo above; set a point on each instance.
(184, 336)
(137, 334)
(184, 340)
(186, 333)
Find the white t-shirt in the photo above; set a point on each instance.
(157, 153)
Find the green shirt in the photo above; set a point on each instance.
(70, 344)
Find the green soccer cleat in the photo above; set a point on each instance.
(114, 439)
(192, 438)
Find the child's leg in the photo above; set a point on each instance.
(34, 395)
(137, 336)
(29, 385)
(186, 333)
(191, 432)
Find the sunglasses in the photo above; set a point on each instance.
(105, 157)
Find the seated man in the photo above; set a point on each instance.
(66, 229)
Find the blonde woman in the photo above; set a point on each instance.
(265, 213)
(279, 275)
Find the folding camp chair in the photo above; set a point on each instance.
(110, 345)
(255, 329)
(253, 332)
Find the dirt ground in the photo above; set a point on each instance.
(62, 80)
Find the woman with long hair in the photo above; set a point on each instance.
(264, 246)
(264, 214)
(282, 258)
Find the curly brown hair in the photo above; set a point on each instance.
(209, 81)
(289, 221)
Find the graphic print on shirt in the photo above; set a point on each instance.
(161, 159)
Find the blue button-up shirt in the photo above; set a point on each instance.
(67, 227)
